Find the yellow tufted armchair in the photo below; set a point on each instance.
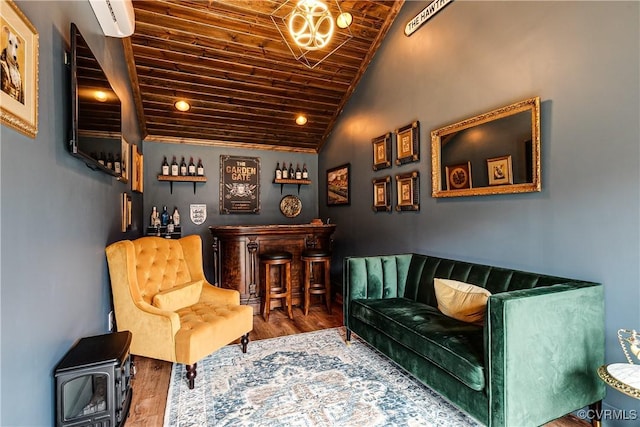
(160, 294)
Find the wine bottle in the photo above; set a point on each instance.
(200, 168)
(183, 167)
(176, 216)
(292, 173)
(285, 171)
(164, 217)
(278, 171)
(298, 171)
(109, 164)
(174, 167)
(155, 218)
(192, 167)
(117, 164)
(305, 172)
(101, 158)
(165, 167)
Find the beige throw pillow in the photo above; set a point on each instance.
(179, 297)
(461, 301)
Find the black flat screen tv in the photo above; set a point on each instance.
(96, 118)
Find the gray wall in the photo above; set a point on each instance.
(157, 193)
(582, 59)
(57, 216)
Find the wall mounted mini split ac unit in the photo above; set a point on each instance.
(116, 17)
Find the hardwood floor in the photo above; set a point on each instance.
(151, 382)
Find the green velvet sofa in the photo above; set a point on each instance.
(533, 360)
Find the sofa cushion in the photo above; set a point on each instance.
(456, 347)
(179, 297)
(462, 301)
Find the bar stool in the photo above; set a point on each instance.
(280, 290)
(311, 286)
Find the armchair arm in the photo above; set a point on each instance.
(153, 331)
(219, 295)
(543, 347)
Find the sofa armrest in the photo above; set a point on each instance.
(543, 348)
(152, 329)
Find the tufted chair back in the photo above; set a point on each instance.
(160, 265)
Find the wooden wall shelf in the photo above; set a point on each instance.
(297, 182)
(171, 179)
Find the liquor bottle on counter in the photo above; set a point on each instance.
(155, 218)
(109, 164)
(101, 159)
(298, 171)
(174, 167)
(165, 167)
(292, 173)
(183, 167)
(176, 216)
(164, 217)
(192, 167)
(278, 171)
(117, 164)
(200, 168)
(285, 171)
(305, 172)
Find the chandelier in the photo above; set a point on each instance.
(312, 29)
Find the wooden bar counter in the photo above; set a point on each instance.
(236, 251)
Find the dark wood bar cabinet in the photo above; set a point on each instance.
(236, 251)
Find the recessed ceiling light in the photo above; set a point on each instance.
(182, 105)
(301, 120)
(344, 20)
(100, 96)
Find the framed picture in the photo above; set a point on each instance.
(125, 212)
(408, 190)
(239, 185)
(382, 152)
(408, 143)
(125, 149)
(382, 194)
(499, 170)
(137, 170)
(339, 185)
(458, 176)
(19, 76)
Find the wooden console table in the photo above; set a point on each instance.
(236, 251)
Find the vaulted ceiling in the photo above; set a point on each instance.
(228, 59)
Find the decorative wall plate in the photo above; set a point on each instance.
(291, 206)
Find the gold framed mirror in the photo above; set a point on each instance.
(492, 153)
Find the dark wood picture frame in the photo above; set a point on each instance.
(459, 176)
(408, 191)
(408, 143)
(382, 194)
(339, 185)
(381, 151)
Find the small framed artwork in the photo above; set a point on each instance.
(382, 151)
(19, 71)
(500, 170)
(408, 143)
(408, 190)
(137, 172)
(125, 212)
(339, 185)
(125, 149)
(458, 176)
(382, 194)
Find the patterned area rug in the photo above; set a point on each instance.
(310, 379)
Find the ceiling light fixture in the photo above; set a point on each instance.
(344, 20)
(182, 105)
(309, 29)
(301, 120)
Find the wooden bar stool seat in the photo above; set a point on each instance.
(280, 289)
(311, 284)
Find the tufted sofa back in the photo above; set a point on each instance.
(411, 276)
(160, 265)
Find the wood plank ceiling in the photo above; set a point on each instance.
(228, 59)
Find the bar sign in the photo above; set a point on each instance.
(427, 13)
